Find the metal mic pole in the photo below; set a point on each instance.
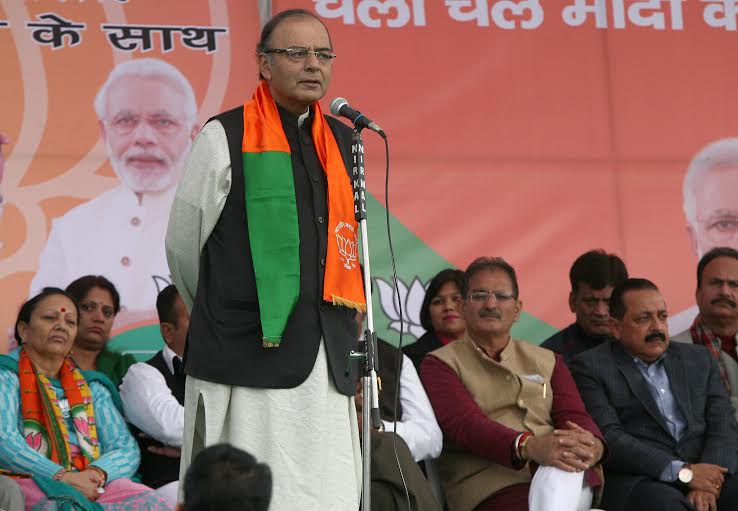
(368, 347)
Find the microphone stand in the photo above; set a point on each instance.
(368, 346)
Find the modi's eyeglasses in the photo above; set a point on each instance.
(721, 228)
(300, 54)
(125, 123)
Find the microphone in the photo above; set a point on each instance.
(340, 106)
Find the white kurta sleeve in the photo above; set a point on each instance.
(149, 404)
(198, 203)
(418, 427)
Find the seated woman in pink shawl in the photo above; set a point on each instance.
(62, 425)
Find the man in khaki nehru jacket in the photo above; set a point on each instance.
(516, 434)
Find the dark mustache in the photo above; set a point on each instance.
(656, 335)
(490, 313)
(723, 300)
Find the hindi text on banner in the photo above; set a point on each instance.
(198, 38)
(374, 13)
(54, 29)
(646, 13)
(530, 10)
(721, 14)
(139, 37)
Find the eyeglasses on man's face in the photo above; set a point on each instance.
(481, 296)
(125, 123)
(300, 54)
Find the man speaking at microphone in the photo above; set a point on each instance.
(262, 245)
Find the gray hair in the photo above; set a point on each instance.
(148, 68)
(720, 152)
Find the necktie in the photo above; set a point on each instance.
(177, 365)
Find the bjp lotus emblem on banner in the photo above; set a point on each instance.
(402, 305)
(348, 244)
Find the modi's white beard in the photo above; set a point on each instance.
(141, 181)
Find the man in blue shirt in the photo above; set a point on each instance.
(663, 410)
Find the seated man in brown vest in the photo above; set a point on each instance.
(516, 433)
(153, 399)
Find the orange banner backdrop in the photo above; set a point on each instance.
(530, 131)
(55, 57)
(538, 130)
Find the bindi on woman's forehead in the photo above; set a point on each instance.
(63, 309)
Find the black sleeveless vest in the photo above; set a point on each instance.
(175, 382)
(224, 341)
(389, 371)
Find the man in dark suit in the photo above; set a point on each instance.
(663, 410)
(593, 276)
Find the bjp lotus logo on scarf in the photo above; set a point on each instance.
(348, 243)
(36, 438)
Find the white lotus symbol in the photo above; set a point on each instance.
(347, 249)
(412, 299)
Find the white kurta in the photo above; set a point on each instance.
(418, 427)
(308, 435)
(115, 236)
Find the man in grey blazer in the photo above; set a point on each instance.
(663, 410)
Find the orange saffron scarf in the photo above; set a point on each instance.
(272, 212)
(44, 425)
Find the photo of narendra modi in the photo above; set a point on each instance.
(146, 112)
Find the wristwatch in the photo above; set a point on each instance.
(685, 474)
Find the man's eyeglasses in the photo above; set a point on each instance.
(89, 307)
(299, 54)
(123, 124)
(483, 296)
